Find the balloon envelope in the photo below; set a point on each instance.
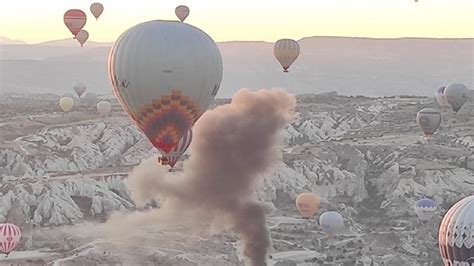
(66, 103)
(79, 88)
(104, 107)
(82, 37)
(286, 51)
(456, 233)
(182, 12)
(75, 20)
(441, 98)
(172, 73)
(331, 222)
(90, 99)
(178, 150)
(456, 95)
(307, 204)
(10, 236)
(425, 209)
(97, 9)
(428, 120)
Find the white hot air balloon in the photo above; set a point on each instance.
(104, 107)
(428, 120)
(10, 236)
(79, 88)
(66, 103)
(331, 222)
(457, 95)
(172, 74)
(441, 98)
(286, 51)
(96, 10)
(182, 12)
(82, 37)
(425, 209)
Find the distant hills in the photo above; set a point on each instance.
(351, 66)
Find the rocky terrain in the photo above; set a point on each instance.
(365, 157)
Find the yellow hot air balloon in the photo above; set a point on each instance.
(307, 204)
(66, 103)
(286, 51)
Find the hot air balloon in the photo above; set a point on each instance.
(428, 120)
(457, 95)
(425, 209)
(75, 20)
(104, 107)
(10, 235)
(90, 99)
(66, 103)
(172, 73)
(96, 10)
(441, 98)
(307, 204)
(178, 151)
(456, 234)
(286, 51)
(331, 222)
(182, 12)
(82, 37)
(79, 88)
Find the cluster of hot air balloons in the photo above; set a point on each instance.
(75, 20)
(68, 101)
(10, 236)
(308, 204)
(452, 96)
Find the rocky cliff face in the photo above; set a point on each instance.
(364, 157)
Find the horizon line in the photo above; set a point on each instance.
(260, 41)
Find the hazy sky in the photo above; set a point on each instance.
(225, 20)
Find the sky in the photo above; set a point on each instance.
(37, 21)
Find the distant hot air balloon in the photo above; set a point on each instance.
(428, 120)
(457, 95)
(82, 37)
(79, 88)
(172, 158)
(182, 12)
(331, 222)
(286, 51)
(456, 234)
(90, 99)
(10, 235)
(441, 98)
(307, 204)
(96, 10)
(66, 103)
(425, 209)
(172, 74)
(104, 107)
(75, 20)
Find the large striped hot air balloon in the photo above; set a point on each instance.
(456, 234)
(286, 51)
(172, 158)
(75, 19)
(165, 74)
(10, 235)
